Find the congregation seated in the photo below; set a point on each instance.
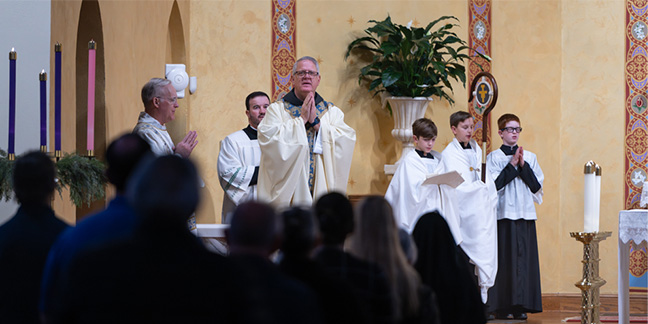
(376, 240)
(335, 216)
(263, 293)
(442, 267)
(26, 238)
(163, 273)
(336, 297)
(116, 221)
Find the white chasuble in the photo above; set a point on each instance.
(155, 134)
(476, 202)
(238, 158)
(410, 198)
(515, 199)
(286, 155)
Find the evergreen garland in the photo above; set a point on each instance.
(83, 176)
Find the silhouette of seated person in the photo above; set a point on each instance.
(335, 217)
(26, 238)
(442, 267)
(300, 236)
(264, 294)
(116, 221)
(376, 240)
(163, 273)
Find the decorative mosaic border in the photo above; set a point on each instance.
(283, 46)
(479, 39)
(636, 92)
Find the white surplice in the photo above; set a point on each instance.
(515, 200)
(410, 198)
(285, 156)
(155, 134)
(476, 203)
(239, 156)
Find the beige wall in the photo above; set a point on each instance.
(550, 61)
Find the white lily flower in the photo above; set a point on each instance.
(409, 24)
(414, 49)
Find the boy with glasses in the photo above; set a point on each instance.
(518, 179)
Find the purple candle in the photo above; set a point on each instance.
(12, 104)
(57, 100)
(42, 77)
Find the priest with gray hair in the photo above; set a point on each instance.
(160, 103)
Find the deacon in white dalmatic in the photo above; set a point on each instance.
(409, 196)
(239, 157)
(306, 147)
(476, 201)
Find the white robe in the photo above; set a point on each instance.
(238, 157)
(410, 199)
(285, 156)
(515, 200)
(476, 203)
(155, 134)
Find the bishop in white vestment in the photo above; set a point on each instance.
(306, 147)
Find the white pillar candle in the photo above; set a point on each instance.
(590, 221)
(597, 196)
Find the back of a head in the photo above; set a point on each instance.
(165, 190)
(253, 226)
(33, 178)
(458, 117)
(376, 236)
(335, 216)
(122, 156)
(299, 231)
(435, 245)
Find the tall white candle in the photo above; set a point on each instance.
(597, 196)
(590, 219)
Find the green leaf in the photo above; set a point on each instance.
(390, 76)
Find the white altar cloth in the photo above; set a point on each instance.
(633, 229)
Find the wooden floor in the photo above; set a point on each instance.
(541, 318)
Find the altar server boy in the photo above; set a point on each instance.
(518, 179)
(476, 201)
(407, 194)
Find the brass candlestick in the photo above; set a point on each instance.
(591, 282)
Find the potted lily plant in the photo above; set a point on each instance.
(410, 66)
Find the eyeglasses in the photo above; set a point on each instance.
(302, 74)
(512, 129)
(171, 100)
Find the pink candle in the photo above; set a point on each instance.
(92, 62)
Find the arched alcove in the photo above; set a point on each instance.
(176, 54)
(90, 28)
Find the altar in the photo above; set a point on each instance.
(633, 229)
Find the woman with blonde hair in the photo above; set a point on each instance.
(376, 240)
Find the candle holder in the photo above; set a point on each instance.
(43, 148)
(591, 283)
(90, 154)
(11, 156)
